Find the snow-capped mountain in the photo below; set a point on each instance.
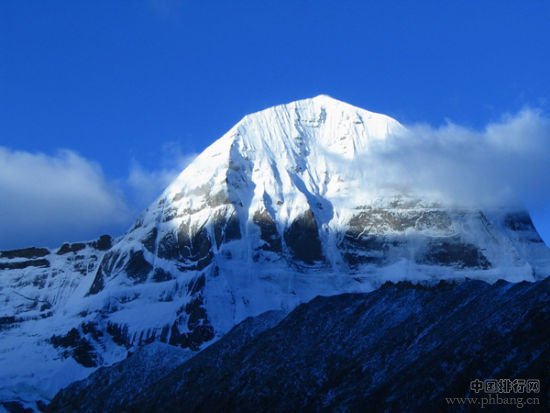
(275, 212)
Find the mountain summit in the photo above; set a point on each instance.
(275, 212)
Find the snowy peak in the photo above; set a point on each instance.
(285, 130)
(294, 134)
(322, 121)
(293, 154)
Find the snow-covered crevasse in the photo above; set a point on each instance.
(277, 211)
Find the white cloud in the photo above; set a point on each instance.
(48, 199)
(507, 162)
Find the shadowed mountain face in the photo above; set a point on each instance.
(402, 347)
(274, 213)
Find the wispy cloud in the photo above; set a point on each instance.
(144, 185)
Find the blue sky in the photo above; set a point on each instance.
(122, 94)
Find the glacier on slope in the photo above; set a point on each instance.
(277, 211)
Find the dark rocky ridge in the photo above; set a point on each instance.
(403, 347)
(112, 388)
(32, 252)
(19, 265)
(103, 243)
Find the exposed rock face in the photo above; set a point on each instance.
(195, 320)
(168, 247)
(268, 232)
(108, 265)
(390, 350)
(194, 247)
(66, 248)
(77, 347)
(32, 252)
(137, 267)
(19, 265)
(103, 243)
(383, 236)
(453, 252)
(150, 240)
(302, 237)
(190, 246)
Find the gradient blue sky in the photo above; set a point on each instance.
(133, 88)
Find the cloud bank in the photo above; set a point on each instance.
(505, 164)
(46, 200)
(49, 199)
